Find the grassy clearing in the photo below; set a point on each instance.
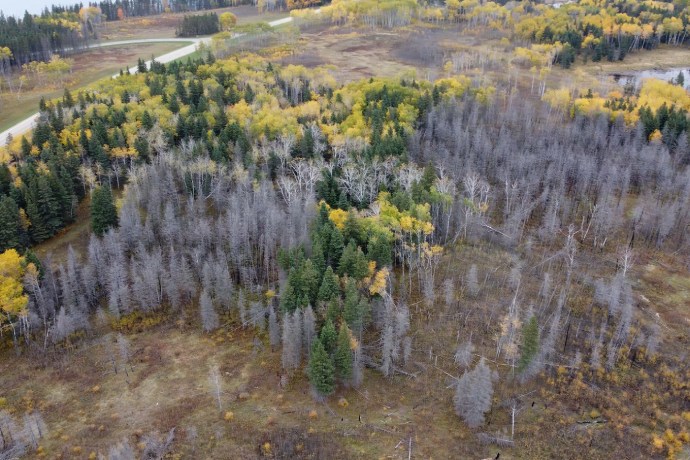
(359, 53)
(89, 407)
(165, 25)
(663, 57)
(88, 67)
(423, 49)
(192, 56)
(667, 294)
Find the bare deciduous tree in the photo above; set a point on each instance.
(473, 394)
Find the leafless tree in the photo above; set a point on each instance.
(216, 385)
(473, 394)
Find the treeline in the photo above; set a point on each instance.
(64, 29)
(100, 142)
(198, 24)
(120, 9)
(38, 38)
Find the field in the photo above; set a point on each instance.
(362, 53)
(164, 26)
(88, 67)
(166, 386)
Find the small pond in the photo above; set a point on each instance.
(634, 78)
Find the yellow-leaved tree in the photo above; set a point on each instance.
(13, 300)
(227, 20)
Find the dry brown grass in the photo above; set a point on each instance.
(356, 54)
(164, 25)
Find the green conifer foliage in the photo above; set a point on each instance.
(103, 212)
(329, 286)
(321, 370)
(10, 224)
(530, 343)
(343, 355)
(329, 336)
(353, 262)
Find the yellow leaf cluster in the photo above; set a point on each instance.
(13, 301)
(654, 93)
(379, 283)
(557, 98)
(338, 217)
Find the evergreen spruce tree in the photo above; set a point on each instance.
(103, 212)
(63, 197)
(343, 355)
(336, 243)
(322, 219)
(249, 94)
(48, 205)
(333, 310)
(329, 286)
(10, 224)
(305, 147)
(146, 120)
(25, 147)
(380, 250)
(289, 300)
(97, 152)
(317, 257)
(355, 308)
(353, 262)
(68, 99)
(530, 343)
(309, 279)
(174, 104)
(329, 336)
(343, 202)
(321, 370)
(141, 145)
(5, 179)
(37, 229)
(353, 230)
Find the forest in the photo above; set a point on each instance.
(501, 273)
